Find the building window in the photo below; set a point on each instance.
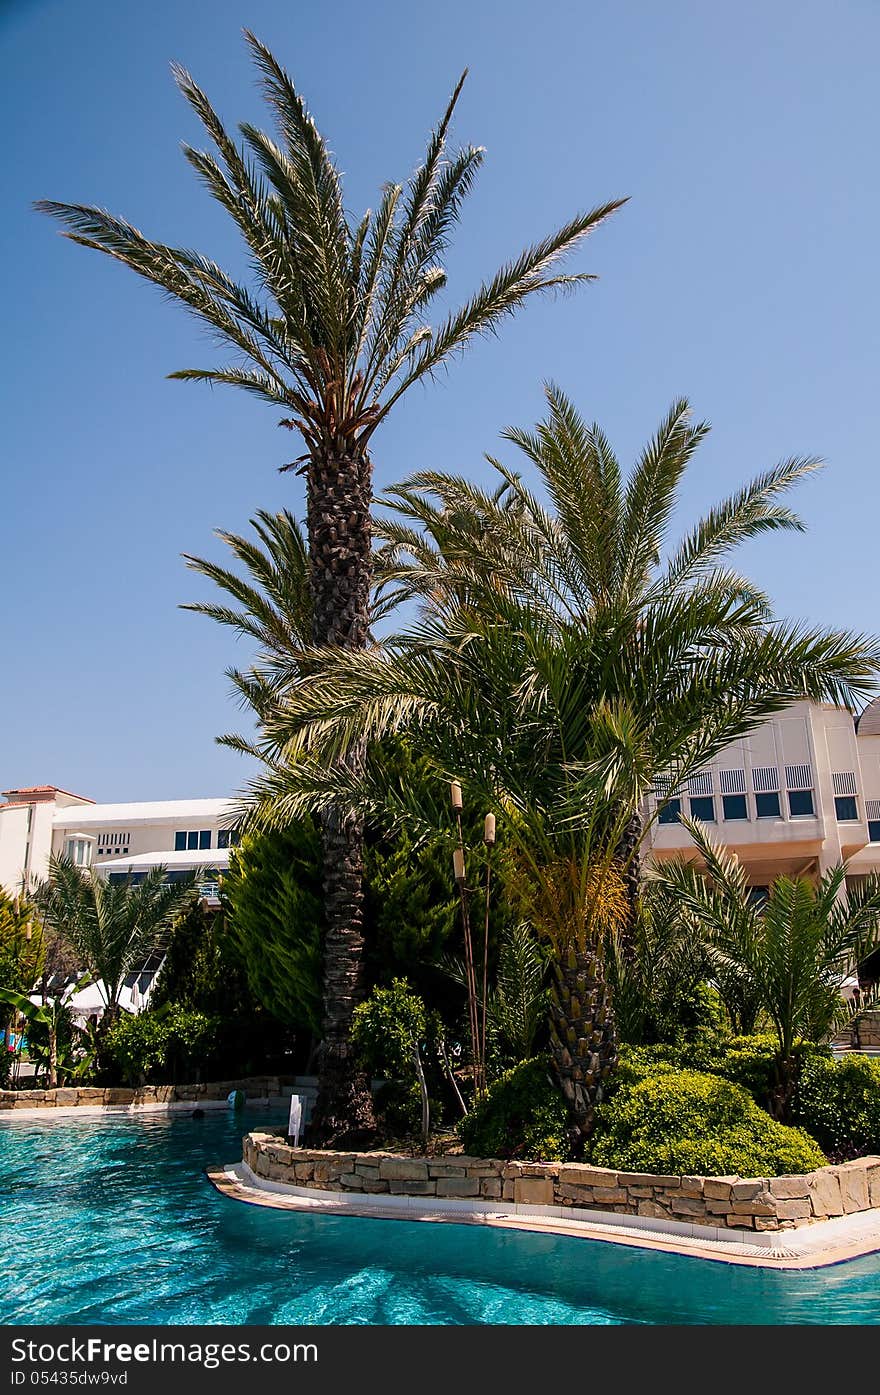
(192, 840)
(767, 805)
(227, 838)
(874, 830)
(79, 852)
(703, 808)
(800, 804)
(799, 783)
(670, 812)
(735, 807)
(758, 895)
(845, 808)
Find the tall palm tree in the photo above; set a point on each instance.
(560, 675)
(111, 927)
(333, 331)
(603, 550)
(791, 952)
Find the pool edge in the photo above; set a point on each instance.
(814, 1247)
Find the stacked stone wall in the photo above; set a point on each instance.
(742, 1203)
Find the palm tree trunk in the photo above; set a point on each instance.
(631, 868)
(340, 532)
(583, 1037)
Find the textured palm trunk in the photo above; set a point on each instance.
(631, 869)
(339, 529)
(583, 1038)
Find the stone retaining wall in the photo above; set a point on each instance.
(869, 1030)
(258, 1087)
(754, 1203)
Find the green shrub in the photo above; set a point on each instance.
(751, 1061)
(692, 1122)
(839, 1103)
(159, 1046)
(522, 1116)
(387, 1029)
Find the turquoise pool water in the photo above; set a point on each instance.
(113, 1221)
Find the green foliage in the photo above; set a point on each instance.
(275, 920)
(523, 1115)
(387, 1029)
(22, 949)
(203, 971)
(411, 907)
(160, 1045)
(111, 926)
(838, 1102)
(787, 957)
(691, 1122)
(518, 1004)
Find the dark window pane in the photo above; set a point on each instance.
(874, 830)
(192, 841)
(205, 838)
(800, 803)
(671, 812)
(757, 895)
(735, 807)
(180, 842)
(223, 838)
(767, 806)
(703, 809)
(845, 808)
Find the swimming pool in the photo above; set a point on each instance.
(111, 1220)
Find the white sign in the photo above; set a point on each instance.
(296, 1114)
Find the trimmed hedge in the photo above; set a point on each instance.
(522, 1116)
(694, 1122)
(839, 1103)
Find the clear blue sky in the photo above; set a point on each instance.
(743, 274)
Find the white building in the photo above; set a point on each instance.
(797, 796)
(119, 839)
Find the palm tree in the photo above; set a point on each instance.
(790, 952)
(333, 331)
(272, 605)
(560, 692)
(603, 551)
(111, 927)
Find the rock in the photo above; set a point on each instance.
(460, 1186)
(789, 1188)
(533, 1191)
(718, 1188)
(744, 1191)
(796, 1209)
(853, 1188)
(654, 1210)
(403, 1170)
(824, 1189)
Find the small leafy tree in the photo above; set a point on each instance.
(161, 1044)
(387, 1032)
